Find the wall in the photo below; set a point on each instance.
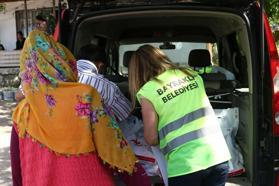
(9, 77)
(8, 31)
(8, 22)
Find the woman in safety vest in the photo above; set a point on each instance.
(178, 116)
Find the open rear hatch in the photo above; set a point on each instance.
(81, 6)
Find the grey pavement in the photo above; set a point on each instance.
(5, 131)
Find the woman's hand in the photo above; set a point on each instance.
(150, 122)
(19, 95)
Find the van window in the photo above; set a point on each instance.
(213, 49)
(178, 54)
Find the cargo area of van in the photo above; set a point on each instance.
(219, 39)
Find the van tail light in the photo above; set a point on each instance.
(274, 68)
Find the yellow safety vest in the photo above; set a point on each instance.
(190, 136)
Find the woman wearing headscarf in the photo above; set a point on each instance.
(66, 135)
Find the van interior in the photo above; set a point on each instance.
(195, 39)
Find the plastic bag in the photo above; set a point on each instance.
(229, 121)
(132, 129)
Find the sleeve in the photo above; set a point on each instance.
(120, 105)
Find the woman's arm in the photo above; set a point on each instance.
(150, 121)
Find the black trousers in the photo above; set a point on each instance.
(213, 176)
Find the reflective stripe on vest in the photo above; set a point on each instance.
(189, 117)
(188, 137)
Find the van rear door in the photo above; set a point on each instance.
(270, 142)
(266, 71)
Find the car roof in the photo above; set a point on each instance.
(97, 5)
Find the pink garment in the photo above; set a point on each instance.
(138, 178)
(41, 167)
(15, 159)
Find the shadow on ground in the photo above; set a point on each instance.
(5, 167)
(6, 113)
(5, 130)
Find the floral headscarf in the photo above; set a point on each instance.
(65, 116)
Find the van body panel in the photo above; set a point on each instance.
(110, 4)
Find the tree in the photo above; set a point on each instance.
(272, 10)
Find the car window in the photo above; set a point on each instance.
(213, 49)
(178, 54)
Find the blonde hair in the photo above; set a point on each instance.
(146, 63)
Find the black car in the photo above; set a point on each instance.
(239, 40)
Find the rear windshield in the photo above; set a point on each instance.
(178, 52)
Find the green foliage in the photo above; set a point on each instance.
(2, 7)
(272, 10)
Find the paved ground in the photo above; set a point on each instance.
(5, 130)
